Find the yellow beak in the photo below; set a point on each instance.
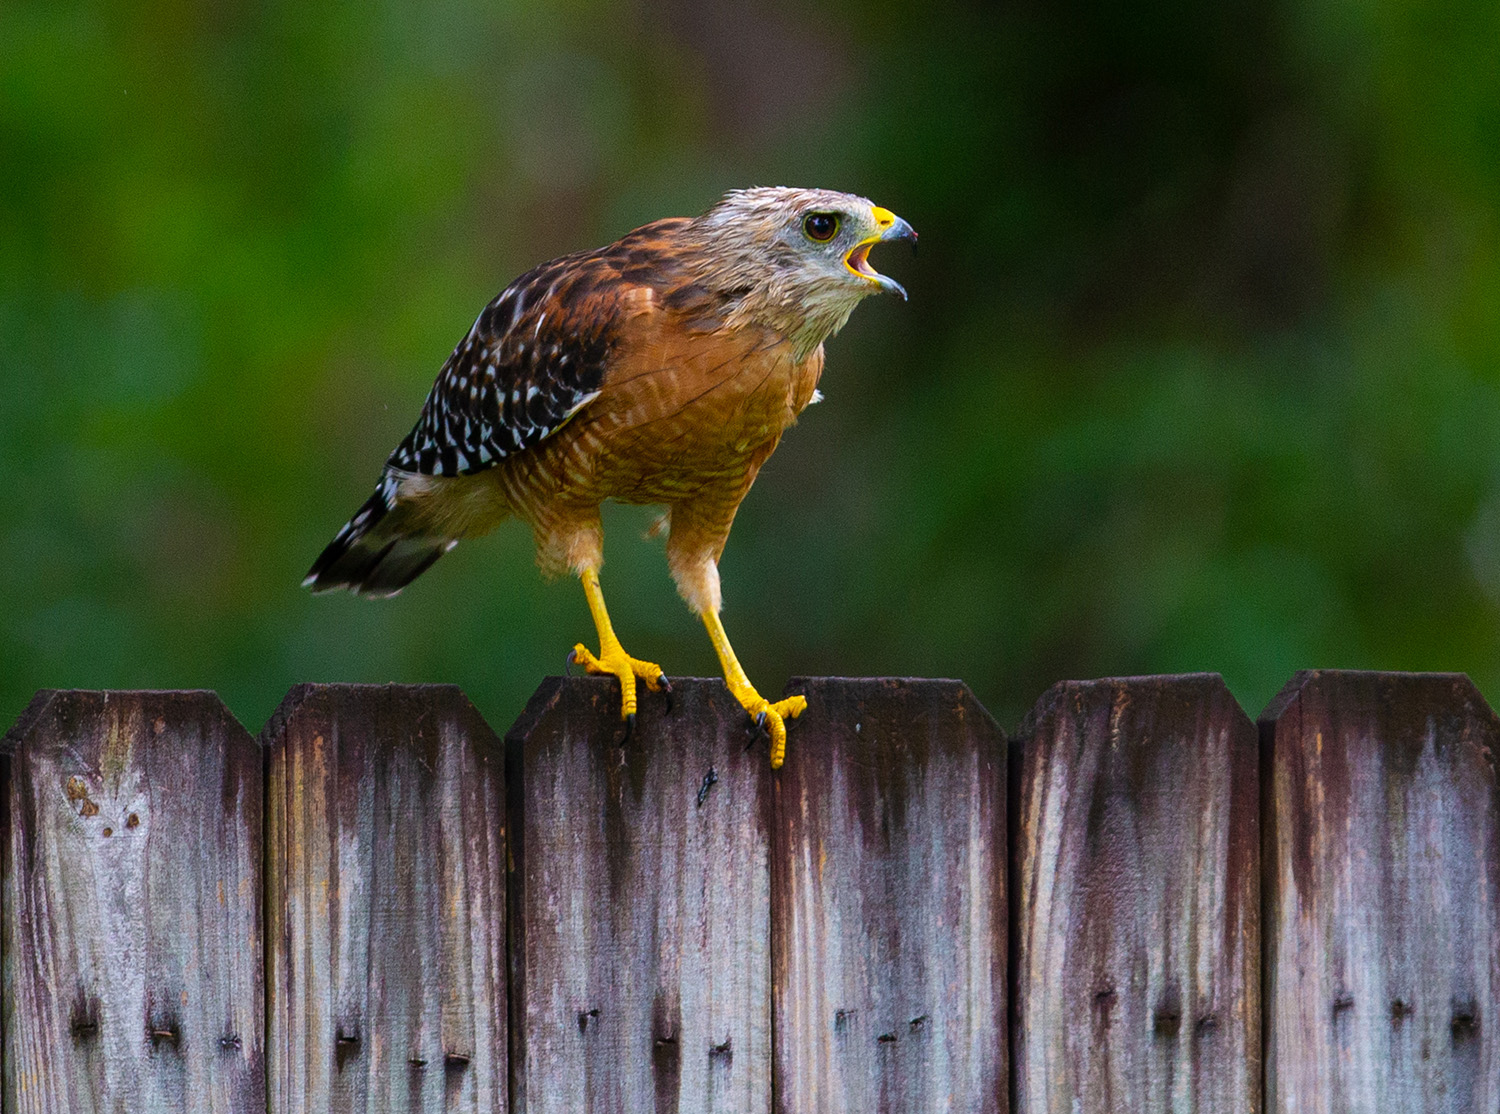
(891, 227)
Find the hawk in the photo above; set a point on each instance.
(661, 369)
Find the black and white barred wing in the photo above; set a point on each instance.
(534, 358)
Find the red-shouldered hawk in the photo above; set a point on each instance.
(661, 369)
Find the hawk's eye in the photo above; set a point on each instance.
(821, 227)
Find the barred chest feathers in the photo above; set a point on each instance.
(703, 420)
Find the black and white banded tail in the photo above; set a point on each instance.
(376, 553)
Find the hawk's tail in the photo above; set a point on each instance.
(376, 553)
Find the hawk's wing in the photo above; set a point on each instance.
(538, 353)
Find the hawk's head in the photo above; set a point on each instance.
(801, 256)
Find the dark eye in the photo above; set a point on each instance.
(821, 227)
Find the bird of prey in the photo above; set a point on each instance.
(661, 369)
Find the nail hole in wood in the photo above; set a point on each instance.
(1206, 1025)
(1167, 1023)
(721, 1052)
(1465, 1021)
(584, 1017)
(84, 1022)
(886, 1038)
(163, 1029)
(1400, 1011)
(417, 1063)
(1104, 1004)
(841, 1019)
(345, 1047)
(916, 1023)
(456, 1061)
(1342, 1005)
(229, 1042)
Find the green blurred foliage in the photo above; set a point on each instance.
(1199, 373)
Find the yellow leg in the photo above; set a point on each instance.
(772, 716)
(612, 656)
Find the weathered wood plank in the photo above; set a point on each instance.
(888, 884)
(385, 906)
(639, 945)
(1382, 876)
(1135, 859)
(132, 888)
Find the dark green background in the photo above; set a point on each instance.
(1199, 371)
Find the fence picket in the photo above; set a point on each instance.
(1382, 876)
(132, 888)
(385, 910)
(639, 948)
(889, 902)
(1135, 859)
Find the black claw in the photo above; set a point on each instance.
(666, 687)
(756, 730)
(629, 728)
(568, 663)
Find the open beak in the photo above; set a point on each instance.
(891, 227)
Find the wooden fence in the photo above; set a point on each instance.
(1140, 902)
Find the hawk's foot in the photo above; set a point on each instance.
(614, 660)
(770, 717)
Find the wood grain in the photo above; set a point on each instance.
(385, 906)
(1135, 859)
(1382, 878)
(132, 887)
(889, 902)
(640, 970)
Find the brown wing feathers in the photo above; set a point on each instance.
(537, 354)
(513, 380)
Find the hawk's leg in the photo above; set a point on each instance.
(612, 657)
(772, 716)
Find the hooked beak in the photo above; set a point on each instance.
(891, 227)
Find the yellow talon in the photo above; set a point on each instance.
(612, 657)
(615, 661)
(772, 717)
